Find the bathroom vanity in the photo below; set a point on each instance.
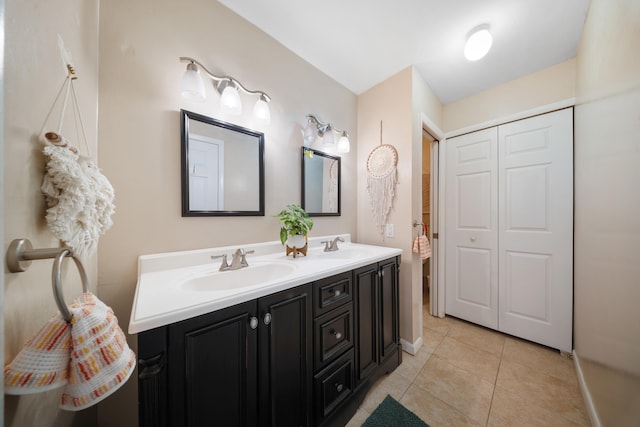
(297, 343)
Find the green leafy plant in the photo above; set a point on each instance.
(294, 220)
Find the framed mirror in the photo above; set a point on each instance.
(320, 183)
(222, 168)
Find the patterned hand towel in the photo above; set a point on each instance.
(421, 246)
(43, 362)
(90, 356)
(101, 361)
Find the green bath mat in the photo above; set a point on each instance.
(390, 413)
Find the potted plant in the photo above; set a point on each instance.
(295, 224)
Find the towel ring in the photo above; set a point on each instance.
(56, 278)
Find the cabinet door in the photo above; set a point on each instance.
(285, 358)
(212, 369)
(389, 328)
(366, 280)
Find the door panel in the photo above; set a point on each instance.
(536, 224)
(471, 262)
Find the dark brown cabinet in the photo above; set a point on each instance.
(377, 320)
(301, 357)
(228, 366)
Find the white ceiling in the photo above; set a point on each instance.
(360, 43)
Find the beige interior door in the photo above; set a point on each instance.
(536, 228)
(471, 254)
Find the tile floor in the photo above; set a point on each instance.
(467, 375)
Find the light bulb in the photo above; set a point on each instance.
(478, 44)
(310, 133)
(261, 111)
(343, 143)
(192, 85)
(230, 99)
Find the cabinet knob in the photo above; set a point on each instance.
(339, 387)
(253, 322)
(267, 318)
(473, 239)
(337, 334)
(336, 293)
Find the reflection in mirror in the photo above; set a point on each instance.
(320, 183)
(222, 168)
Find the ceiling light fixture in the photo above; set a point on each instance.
(317, 128)
(228, 88)
(478, 43)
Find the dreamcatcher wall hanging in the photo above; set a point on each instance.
(382, 178)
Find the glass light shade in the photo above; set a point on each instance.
(192, 85)
(343, 144)
(478, 44)
(310, 133)
(261, 111)
(230, 100)
(327, 138)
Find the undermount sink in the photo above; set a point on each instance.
(236, 279)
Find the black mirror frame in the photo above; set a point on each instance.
(184, 163)
(302, 173)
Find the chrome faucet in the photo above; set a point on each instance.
(238, 260)
(333, 245)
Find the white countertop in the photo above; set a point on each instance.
(161, 297)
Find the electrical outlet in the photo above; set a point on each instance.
(389, 230)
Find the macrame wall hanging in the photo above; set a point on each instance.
(382, 178)
(79, 197)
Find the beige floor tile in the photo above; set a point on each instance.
(509, 409)
(393, 384)
(543, 390)
(438, 324)
(539, 357)
(358, 418)
(478, 336)
(464, 390)
(469, 358)
(434, 411)
(412, 364)
(431, 339)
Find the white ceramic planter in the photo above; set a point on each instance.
(298, 241)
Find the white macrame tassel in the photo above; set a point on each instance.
(382, 192)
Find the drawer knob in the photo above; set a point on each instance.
(267, 318)
(253, 322)
(336, 333)
(339, 387)
(336, 293)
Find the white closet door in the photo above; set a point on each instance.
(471, 259)
(536, 228)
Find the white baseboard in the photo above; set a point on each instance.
(586, 395)
(411, 348)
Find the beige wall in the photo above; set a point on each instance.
(33, 75)
(139, 131)
(399, 103)
(548, 86)
(607, 210)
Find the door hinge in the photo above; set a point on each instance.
(434, 235)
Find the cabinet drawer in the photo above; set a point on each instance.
(333, 385)
(333, 335)
(331, 292)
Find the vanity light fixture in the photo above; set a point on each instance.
(228, 88)
(317, 128)
(478, 43)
